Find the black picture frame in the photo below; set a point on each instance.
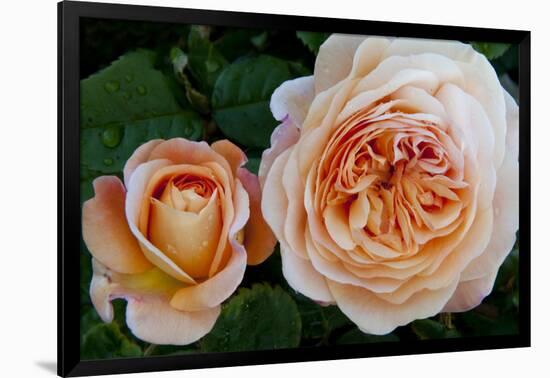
(69, 229)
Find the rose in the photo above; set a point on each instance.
(176, 243)
(392, 182)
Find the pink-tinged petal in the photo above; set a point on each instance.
(470, 294)
(284, 136)
(292, 100)
(108, 285)
(274, 200)
(152, 319)
(335, 60)
(218, 288)
(259, 240)
(376, 316)
(136, 188)
(105, 229)
(100, 292)
(302, 277)
(233, 154)
(140, 155)
(149, 314)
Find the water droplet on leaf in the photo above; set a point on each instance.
(111, 86)
(141, 90)
(188, 130)
(111, 136)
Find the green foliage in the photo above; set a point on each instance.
(236, 43)
(130, 89)
(99, 156)
(126, 105)
(318, 322)
(313, 40)
(107, 341)
(205, 61)
(430, 329)
(258, 318)
(241, 98)
(491, 50)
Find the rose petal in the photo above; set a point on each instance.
(292, 99)
(136, 188)
(105, 229)
(140, 155)
(152, 319)
(512, 121)
(295, 223)
(480, 79)
(274, 200)
(335, 60)
(470, 294)
(183, 151)
(303, 277)
(189, 239)
(506, 222)
(284, 136)
(107, 285)
(233, 154)
(218, 288)
(259, 240)
(378, 317)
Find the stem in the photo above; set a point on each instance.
(149, 350)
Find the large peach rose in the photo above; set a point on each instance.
(392, 182)
(175, 238)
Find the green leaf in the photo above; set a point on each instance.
(430, 329)
(241, 98)
(107, 341)
(313, 40)
(130, 89)
(196, 99)
(508, 272)
(260, 318)
(355, 336)
(123, 106)
(491, 50)
(205, 61)
(260, 41)
(319, 321)
(475, 323)
(236, 43)
(96, 155)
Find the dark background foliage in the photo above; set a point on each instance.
(141, 81)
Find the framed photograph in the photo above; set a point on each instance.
(241, 188)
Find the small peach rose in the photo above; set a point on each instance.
(175, 238)
(392, 181)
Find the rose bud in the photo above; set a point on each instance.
(175, 238)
